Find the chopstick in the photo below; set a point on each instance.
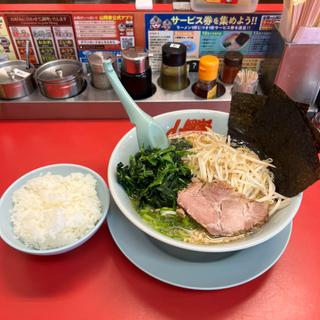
(296, 15)
(299, 13)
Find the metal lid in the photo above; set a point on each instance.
(59, 71)
(174, 54)
(233, 58)
(135, 60)
(14, 71)
(96, 61)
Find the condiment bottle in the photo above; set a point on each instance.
(206, 86)
(98, 76)
(136, 74)
(232, 65)
(174, 74)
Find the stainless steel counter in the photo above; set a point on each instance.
(104, 104)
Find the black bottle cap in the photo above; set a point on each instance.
(174, 54)
(233, 58)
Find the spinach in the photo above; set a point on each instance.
(153, 177)
(181, 144)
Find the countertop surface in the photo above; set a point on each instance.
(96, 281)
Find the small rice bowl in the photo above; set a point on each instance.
(52, 211)
(75, 230)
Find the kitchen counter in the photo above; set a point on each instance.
(96, 281)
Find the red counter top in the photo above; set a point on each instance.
(96, 281)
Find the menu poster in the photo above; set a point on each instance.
(213, 34)
(103, 33)
(191, 39)
(6, 48)
(51, 36)
(43, 38)
(20, 36)
(65, 42)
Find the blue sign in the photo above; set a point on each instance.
(211, 33)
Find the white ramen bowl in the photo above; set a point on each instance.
(128, 146)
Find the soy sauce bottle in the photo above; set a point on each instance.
(136, 75)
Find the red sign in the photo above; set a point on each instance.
(104, 32)
(51, 36)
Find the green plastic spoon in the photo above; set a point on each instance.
(149, 132)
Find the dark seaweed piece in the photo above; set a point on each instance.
(281, 130)
(235, 143)
(244, 107)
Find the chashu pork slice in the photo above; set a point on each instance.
(220, 209)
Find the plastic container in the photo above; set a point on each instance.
(224, 6)
(206, 86)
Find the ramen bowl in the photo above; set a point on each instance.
(128, 146)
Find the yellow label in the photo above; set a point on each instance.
(212, 93)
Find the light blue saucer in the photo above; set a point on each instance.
(230, 271)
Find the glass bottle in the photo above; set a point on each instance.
(206, 86)
(174, 73)
(136, 75)
(232, 65)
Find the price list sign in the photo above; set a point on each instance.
(51, 36)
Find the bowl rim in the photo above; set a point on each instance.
(74, 244)
(214, 248)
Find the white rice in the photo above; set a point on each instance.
(52, 211)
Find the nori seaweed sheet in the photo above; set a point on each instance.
(279, 128)
(244, 108)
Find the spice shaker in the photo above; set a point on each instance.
(173, 75)
(232, 65)
(206, 86)
(98, 76)
(136, 74)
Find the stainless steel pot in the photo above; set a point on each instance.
(60, 79)
(16, 79)
(135, 60)
(98, 75)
